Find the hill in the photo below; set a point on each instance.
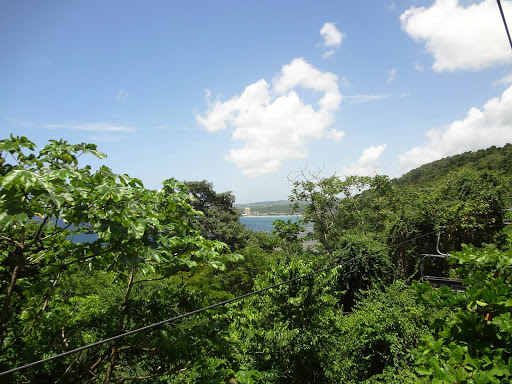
(493, 158)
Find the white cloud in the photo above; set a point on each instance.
(332, 37)
(418, 67)
(96, 127)
(507, 79)
(480, 129)
(107, 138)
(121, 95)
(357, 99)
(328, 53)
(273, 123)
(367, 164)
(460, 37)
(391, 74)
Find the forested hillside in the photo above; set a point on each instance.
(493, 158)
(353, 309)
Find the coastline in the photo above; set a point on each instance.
(251, 216)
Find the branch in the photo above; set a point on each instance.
(69, 367)
(45, 304)
(56, 232)
(38, 233)
(11, 240)
(82, 258)
(71, 262)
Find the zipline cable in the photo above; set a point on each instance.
(504, 22)
(221, 303)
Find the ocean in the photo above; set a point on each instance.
(264, 223)
(255, 223)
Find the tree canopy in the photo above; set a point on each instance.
(89, 254)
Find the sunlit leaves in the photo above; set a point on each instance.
(474, 343)
(48, 201)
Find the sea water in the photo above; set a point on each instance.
(255, 223)
(265, 223)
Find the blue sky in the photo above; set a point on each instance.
(244, 94)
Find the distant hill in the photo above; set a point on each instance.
(493, 158)
(267, 207)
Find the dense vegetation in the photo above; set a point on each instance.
(492, 158)
(159, 254)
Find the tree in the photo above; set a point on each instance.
(46, 199)
(220, 220)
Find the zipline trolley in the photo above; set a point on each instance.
(436, 281)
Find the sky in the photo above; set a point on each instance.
(248, 95)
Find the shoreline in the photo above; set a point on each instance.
(251, 216)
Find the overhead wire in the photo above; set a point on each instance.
(504, 22)
(188, 314)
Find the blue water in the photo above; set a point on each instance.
(255, 223)
(264, 223)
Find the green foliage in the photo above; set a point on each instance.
(337, 207)
(46, 198)
(474, 343)
(152, 255)
(367, 264)
(287, 235)
(220, 220)
(376, 338)
(490, 159)
(283, 332)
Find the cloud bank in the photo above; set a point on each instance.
(273, 123)
(480, 129)
(458, 37)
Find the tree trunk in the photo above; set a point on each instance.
(6, 307)
(115, 346)
(4, 316)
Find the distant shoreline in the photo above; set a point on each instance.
(283, 215)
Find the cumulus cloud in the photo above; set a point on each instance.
(460, 37)
(272, 122)
(367, 163)
(332, 39)
(481, 129)
(96, 127)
